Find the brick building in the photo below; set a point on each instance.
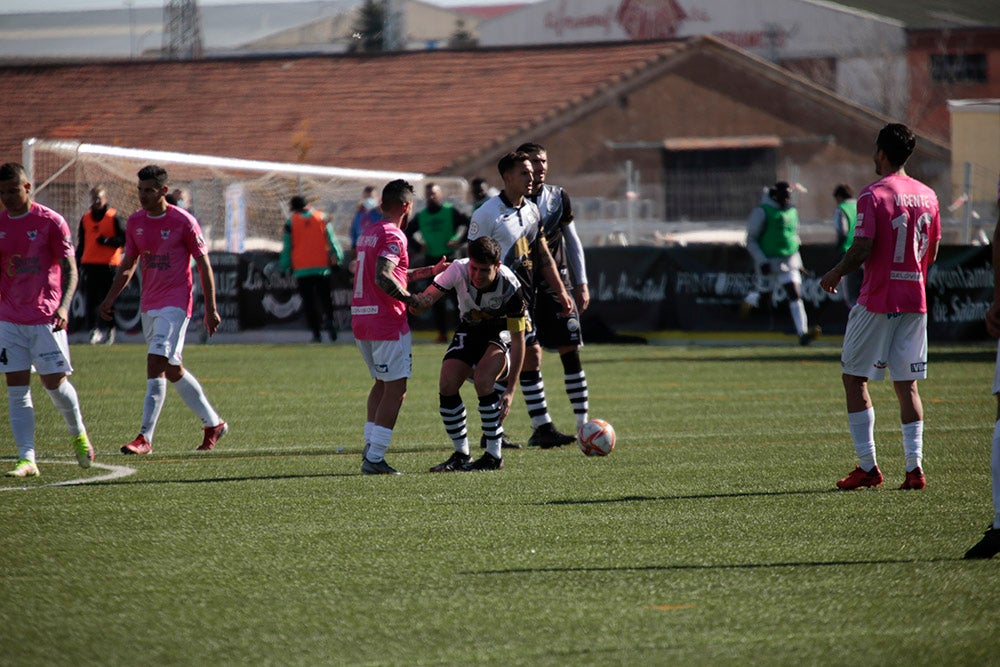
(597, 107)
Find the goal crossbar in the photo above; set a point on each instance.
(261, 166)
(241, 204)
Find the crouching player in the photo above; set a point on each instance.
(488, 347)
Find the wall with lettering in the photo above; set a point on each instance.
(770, 28)
(701, 287)
(868, 50)
(636, 289)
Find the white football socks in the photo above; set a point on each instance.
(379, 443)
(862, 426)
(65, 399)
(22, 420)
(156, 396)
(194, 397)
(799, 316)
(913, 444)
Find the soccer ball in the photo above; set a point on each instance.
(597, 438)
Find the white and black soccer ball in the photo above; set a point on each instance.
(596, 438)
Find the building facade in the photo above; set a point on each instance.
(857, 54)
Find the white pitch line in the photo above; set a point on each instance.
(114, 472)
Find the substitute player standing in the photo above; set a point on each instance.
(554, 330)
(37, 282)
(896, 238)
(515, 223)
(378, 319)
(161, 240)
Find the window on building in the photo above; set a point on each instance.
(958, 68)
(716, 180)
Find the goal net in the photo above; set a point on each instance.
(241, 204)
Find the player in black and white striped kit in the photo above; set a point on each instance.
(514, 221)
(554, 330)
(487, 348)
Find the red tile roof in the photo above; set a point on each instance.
(412, 111)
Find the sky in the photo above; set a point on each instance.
(24, 6)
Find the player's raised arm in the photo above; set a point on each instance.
(428, 271)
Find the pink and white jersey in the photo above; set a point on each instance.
(900, 214)
(374, 314)
(165, 246)
(31, 249)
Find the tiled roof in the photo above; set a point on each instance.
(933, 13)
(411, 111)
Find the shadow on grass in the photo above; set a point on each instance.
(792, 356)
(228, 457)
(694, 496)
(971, 355)
(716, 566)
(217, 480)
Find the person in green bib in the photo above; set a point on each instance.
(844, 218)
(773, 242)
(440, 231)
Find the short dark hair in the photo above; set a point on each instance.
(153, 172)
(297, 203)
(843, 191)
(396, 193)
(508, 161)
(781, 192)
(530, 148)
(10, 171)
(897, 141)
(485, 250)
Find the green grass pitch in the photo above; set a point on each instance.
(712, 535)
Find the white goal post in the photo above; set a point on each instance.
(241, 204)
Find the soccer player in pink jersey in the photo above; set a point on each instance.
(896, 238)
(161, 240)
(379, 322)
(989, 545)
(37, 282)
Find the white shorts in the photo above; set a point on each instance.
(25, 345)
(388, 360)
(165, 329)
(876, 341)
(996, 372)
(785, 270)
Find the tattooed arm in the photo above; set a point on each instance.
(70, 278)
(387, 281)
(427, 271)
(421, 302)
